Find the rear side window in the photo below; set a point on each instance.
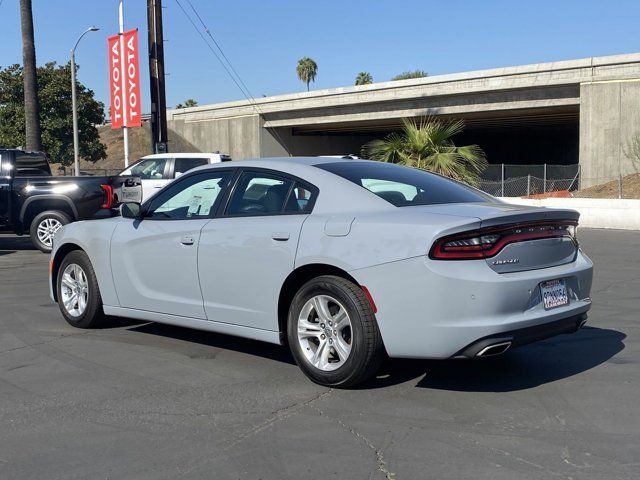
(259, 193)
(262, 193)
(404, 186)
(31, 164)
(183, 165)
(149, 169)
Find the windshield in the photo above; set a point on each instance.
(404, 186)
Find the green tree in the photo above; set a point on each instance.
(188, 103)
(307, 70)
(364, 78)
(55, 113)
(411, 74)
(31, 118)
(428, 144)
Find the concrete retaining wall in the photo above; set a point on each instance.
(594, 212)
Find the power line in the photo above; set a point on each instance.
(208, 32)
(204, 39)
(231, 71)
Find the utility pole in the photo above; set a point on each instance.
(156, 81)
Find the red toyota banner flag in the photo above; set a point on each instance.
(124, 80)
(133, 112)
(115, 81)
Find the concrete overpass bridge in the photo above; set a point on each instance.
(578, 111)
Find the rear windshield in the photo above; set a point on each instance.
(404, 186)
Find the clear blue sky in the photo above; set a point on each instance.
(264, 39)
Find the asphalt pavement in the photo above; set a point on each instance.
(147, 401)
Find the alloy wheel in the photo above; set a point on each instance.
(324, 332)
(47, 228)
(74, 289)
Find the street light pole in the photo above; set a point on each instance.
(76, 146)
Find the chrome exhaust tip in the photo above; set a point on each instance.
(495, 349)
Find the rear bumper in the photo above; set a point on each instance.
(522, 336)
(435, 309)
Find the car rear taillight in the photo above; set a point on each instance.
(107, 190)
(488, 242)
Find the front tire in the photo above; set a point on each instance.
(333, 333)
(78, 293)
(44, 226)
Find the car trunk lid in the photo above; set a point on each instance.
(511, 238)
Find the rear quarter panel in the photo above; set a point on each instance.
(374, 238)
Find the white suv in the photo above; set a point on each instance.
(157, 170)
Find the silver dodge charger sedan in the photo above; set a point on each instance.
(345, 261)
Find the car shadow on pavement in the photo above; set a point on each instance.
(219, 340)
(12, 243)
(529, 366)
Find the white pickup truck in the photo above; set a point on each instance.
(155, 171)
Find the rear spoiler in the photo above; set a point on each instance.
(531, 215)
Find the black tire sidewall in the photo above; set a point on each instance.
(357, 361)
(93, 314)
(33, 229)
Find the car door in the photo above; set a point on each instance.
(154, 260)
(153, 173)
(246, 253)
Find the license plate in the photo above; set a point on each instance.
(554, 294)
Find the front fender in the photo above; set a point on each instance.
(94, 238)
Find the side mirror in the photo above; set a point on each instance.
(131, 210)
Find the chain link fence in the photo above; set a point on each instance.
(504, 180)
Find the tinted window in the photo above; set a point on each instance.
(31, 164)
(404, 186)
(152, 168)
(192, 197)
(183, 165)
(259, 193)
(300, 200)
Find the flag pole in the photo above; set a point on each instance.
(125, 130)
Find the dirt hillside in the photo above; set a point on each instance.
(630, 189)
(139, 146)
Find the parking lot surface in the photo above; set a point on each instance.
(147, 401)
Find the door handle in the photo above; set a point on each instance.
(157, 186)
(187, 240)
(280, 236)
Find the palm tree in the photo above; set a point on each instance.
(307, 70)
(428, 144)
(33, 137)
(364, 78)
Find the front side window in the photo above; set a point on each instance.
(404, 186)
(150, 169)
(183, 165)
(191, 198)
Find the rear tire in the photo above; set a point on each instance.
(333, 333)
(78, 293)
(44, 226)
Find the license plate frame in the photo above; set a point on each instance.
(554, 293)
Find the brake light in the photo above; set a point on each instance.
(107, 190)
(488, 242)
